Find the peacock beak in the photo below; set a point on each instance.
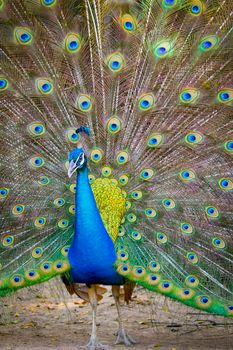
(77, 164)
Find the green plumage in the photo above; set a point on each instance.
(151, 79)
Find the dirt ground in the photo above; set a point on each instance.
(46, 317)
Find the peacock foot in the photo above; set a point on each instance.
(94, 344)
(124, 338)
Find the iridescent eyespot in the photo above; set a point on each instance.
(114, 125)
(115, 62)
(194, 138)
(138, 271)
(150, 212)
(128, 205)
(218, 243)
(168, 203)
(189, 95)
(191, 281)
(37, 252)
(4, 192)
(146, 102)
(106, 171)
(203, 301)
(18, 209)
(46, 267)
(17, 281)
(60, 266)
(43, 181)
(63, 223)
(7, 240)
(161, 237)
(129, 23)
(155, 140)
(65, 250)
(196, 8)
(4, 84)
(228, 145)
(96, 155)
(44, 86)
(59, 202)
(123, 180)
(186, 228)
(131, 217)
(36, 162)
(154, 266)
(72, 188)
(208, 43)
(91, 178)
(122, 255)
(122, 157)
(225, 184)
(36, 129)
(72, 42)
(165, 286)
(121, 231)
(23, 35)
(212, 212)
(114, 182)
(169, 3)
(163, 49)
(32, 275)
(230, 309)
(153, 279)
(48, 3)
(72, 209)
(192, 257)
(225, 95)
(136, 236)
(187, 175)
(40, 222)
(84, 103)
(136, 195)
(147, 174)
(72, 136)
(123, 269)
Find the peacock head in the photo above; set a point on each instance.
(77, 161)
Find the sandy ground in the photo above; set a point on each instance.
(46, 317)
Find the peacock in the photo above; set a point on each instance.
(116, 149)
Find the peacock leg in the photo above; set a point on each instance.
(122, 336)
(93, 342)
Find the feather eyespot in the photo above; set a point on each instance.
(36, 129)
(4, 84)
(189, 95)
(106, 171)
(196, 8)
(114, 125)
(84, 103)
(43, 181)
(203, 301)
(122, 157)
(208, 43)
(212, 212)
(187, 175)
(136, 236)
(146, 102)
(96, 155)
(191, 281)
(194, 138)
(228, 145)
(163, 49)
(225, 96)
(168, 203)
(91, 178)
(169, 3)
(23, 35)
(72, 42)
(46, 267)
(131, 217)
(16, 281)
(154, 266)
(4, 192)
(59, 202)
(40, 221)
(129, 23)
(121, 231)
(186, 228)
(8, 241)
(136, 195)
(155, 140)
(37, 252)
(44, 86)
(72, 136)
(65, 250)
(63, 223)
(192, 258)
(218, 243)
(36, 162)
(150, 212)
(18, 209)
(123, 180)
(115, 62)
(225, 184)
(147, 174)
(161, 237)
(48, 3)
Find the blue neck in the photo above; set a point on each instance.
(92, 253)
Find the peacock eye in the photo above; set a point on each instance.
(192, 257)
(114, 125)
(163, 49)
(63, 223)
(129, 23)
(23, 35)
(122, 157)
(59, 202)
(186, 228)
(161, 237)
(36, 129)
(115, 62)
(147, 174)
(136, 195)
(225, 184)
(84, 103)
(194, 138)
(36, 162)
(168, 203)
(96, 155)
(189, 95)
(48, 3)
(43, 181)
(225, 96)
(4, 192)
(218, 243)
(4, 84)
(106, 171)
(72, 136)
(18, 209)
(146, 102)
(44, 86)
(72, 42)
(40, 222)
(208, 43)
(131, 217)
(150, 212)
(169, 3)
(155, 140)
(187, 175)
(8, 241)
